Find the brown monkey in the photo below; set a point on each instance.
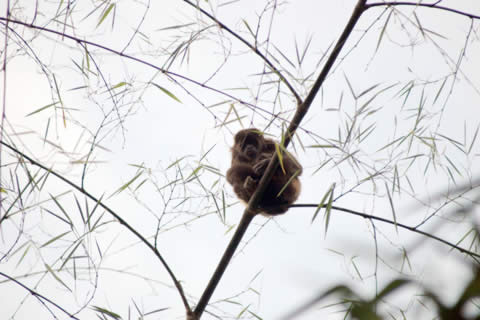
(251, 154)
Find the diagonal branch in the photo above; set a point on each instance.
(252, 47)
(40, 297)
(474, 255)
(112, 213)
(427, 5)
(249, 214)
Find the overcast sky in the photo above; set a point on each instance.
(284, 261)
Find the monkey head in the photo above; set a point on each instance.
(248, 145)
(251, 154)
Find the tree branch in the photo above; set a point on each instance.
(115, 215)
(416, 4)
(253, 48)
(300, 113)
(403, 226)
(40, 297)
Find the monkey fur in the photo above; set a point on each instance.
(251, 154)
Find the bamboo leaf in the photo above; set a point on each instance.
(280, 157)
(105, 14)
(106, 312)
(288, 182)
(322, 202)
(50, 270)
(168, 93)
(126, 185)
(42, 108)
(328, 210)
(54, 239)
(392, 206)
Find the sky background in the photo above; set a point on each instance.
(284, 261)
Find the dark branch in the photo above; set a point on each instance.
(428, 5)
(403, 226)
(37, 295)
(253, 48)
(115, 215)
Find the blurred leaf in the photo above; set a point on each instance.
(126, 185)
(328, 210)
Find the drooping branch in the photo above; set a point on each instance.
(300, 113)
(426, 5)
(40, 297)
(397, 224)
(113, 214)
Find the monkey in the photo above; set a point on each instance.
(251, 154)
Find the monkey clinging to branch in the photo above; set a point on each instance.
(251, 154)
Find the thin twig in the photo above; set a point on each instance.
(416, 4)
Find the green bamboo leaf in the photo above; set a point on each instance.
(242, 312)
(248, 27)
(120, 84)
(463, 238)
(61, 208)
(126, 185)
(50, 270)
(106, 312)
(440, 90)
(280, 157)
(392, 206)
(194, 173)
(54, 239)
(168, 93)
(70, 255)
(473, 140)
(23, 255)
(107, 12)
(322, 202)
(255, 315)
(42, 108)
(328, 210)
(321, 146)
(218, 208)
(382, 33)
(356, 268)
(176, 162)
(288, 182)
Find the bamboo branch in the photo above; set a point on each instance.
(112, 213)
(249, 213)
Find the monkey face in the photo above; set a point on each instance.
(249, 142)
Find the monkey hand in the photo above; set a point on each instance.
(260, 167)
(250, 184)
